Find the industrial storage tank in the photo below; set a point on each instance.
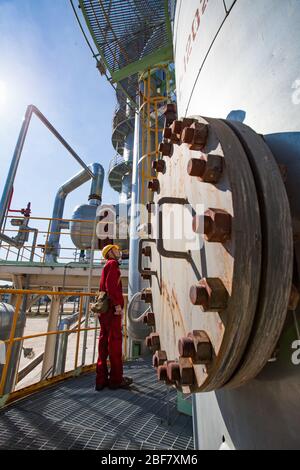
(82, 226)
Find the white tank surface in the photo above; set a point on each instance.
(82, 226)
(238, 60)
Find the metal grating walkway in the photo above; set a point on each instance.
(72, 415)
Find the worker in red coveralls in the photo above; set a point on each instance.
(110, 341)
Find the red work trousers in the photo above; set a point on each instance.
(110, 344)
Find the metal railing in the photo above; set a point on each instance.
(36, 249)
(59, 355)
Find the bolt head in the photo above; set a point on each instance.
(195, 136)
(203, 346)
(153, 185)
(159, 358)
(210, 294)
(159, 166)
(173, 372)
(149, 319)
(146, 295)
(162, 373)
(147, 251)
(155, 342)
(188, 135)
(187, 375)
(217, 226)
(186, 347)
(170, 108)
(198, 295)
(208, 169)
(176, 128)
(196, 167)
(165, 148)
(167, 133)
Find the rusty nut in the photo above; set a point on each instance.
(195, 136)
(149, 319)
(186, 348)
(159, 166)
(147, 251)
(210, 294)
(145, 276)
(152, 341)
(162, 373)
(146, 296)
(153, 185)
(159, 358)
(165, 148)
(208, 170)
(187, 374)
(216, 226)
(167, 132)
(173, 372)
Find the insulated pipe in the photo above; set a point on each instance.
(80, 178)
(18, 152)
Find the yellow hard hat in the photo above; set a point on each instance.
(107, 248)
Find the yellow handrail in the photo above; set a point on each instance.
(20, 293)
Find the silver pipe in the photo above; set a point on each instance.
(87, 299)
(59, 203)
(18, 152)
(35, 230)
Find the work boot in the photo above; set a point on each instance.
(126, 382)
(100, 387)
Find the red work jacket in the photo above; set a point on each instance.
(111, 282)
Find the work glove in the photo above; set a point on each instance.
(118, 310)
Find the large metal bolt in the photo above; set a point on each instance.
(210, 294)
(159, 166)
(145, 276)
(147, 296)
(155, 341)
(176, 127)
(173, 371)
(153, 186)
(196, 136)
(195, 346)
(187, 374)
(152, 341)
(167, 133)
(149, 319)
(147, 251)
(165, 148)
(170, 113)
(170, 108)
(159, 358)
(186, 347)
(162, 373)
(209, 170)
(216, 227)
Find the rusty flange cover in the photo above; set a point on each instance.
(229, 258)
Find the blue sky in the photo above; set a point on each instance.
(44, 61)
